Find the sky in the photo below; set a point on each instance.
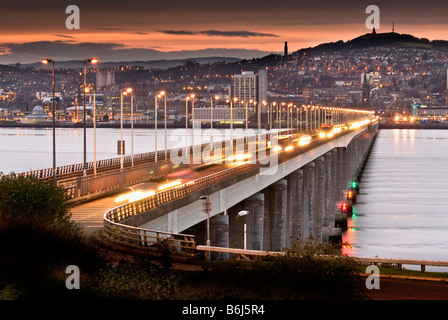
(152, 30)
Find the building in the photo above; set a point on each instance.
(38, 116)
(437, 113)
(365, 88)
(221, 114)
(249, 86)
(245, 86)
(105, 78)
(374, 78)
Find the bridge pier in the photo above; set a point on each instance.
(255, 221)
(275, 216)
(296, 201)
(294, 207)
(308, 200)
(219, 235)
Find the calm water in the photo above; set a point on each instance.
(24, 149)
(402, 209)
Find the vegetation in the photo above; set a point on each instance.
(38, 241)
(307, 271)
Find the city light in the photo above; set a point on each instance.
(170, 185)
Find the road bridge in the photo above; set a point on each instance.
(286, 200)
(287, 184)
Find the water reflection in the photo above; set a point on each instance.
(402, 208)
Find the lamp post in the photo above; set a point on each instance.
(164, 117)
(246, 118)
(94, 129)
(124, 93)
(93, 61)
(47, 61)
(132, 128)
(211, 119)
(242, 214)
(157, 96)
(186, 123)
(186, 117)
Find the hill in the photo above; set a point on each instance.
(374, 39)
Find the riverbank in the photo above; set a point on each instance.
(395, 125)
(160, 125)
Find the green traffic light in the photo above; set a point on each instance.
(354, 184)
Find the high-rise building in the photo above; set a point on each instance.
(250, 86)
(245, 86)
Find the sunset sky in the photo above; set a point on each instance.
(148, 30)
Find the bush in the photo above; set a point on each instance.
(306, 271)
(29, 200)
(134, 280)
(38, 240)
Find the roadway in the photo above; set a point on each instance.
(90, 214)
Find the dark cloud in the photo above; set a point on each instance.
(178, 32)
(64, 36)
(211, 33)
(59, 50)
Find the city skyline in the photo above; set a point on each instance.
(173, 29)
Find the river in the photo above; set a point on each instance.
(401, 211)
(402, 206)
(23, 149)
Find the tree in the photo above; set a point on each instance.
(29, 199)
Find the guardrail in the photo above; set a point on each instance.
(123, 233)
(376, 261)
(134, 236)
(73, 170)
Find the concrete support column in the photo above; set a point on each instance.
(275, 216)
(319, 195)
(340, 174)
(308, 199)
(278, 215)
(254, 221)
(236, 226)
(219, 235)
(327, 198)
(294, 207)
(333, 188)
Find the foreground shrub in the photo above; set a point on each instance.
(306, 271)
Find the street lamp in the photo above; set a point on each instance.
(211, 119)
(158, 96)
(94, 129)
(191, 96)
(93, 61)
(125, 93)
(242, 214)
(47, 61)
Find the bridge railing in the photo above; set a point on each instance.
(72, 170)
(254, 254)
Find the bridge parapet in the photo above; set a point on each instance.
(248, 178)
